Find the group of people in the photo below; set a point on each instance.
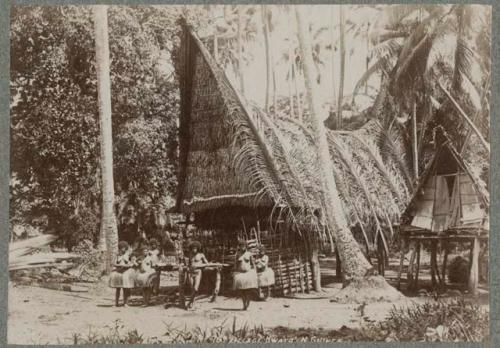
(252, 273)
(136, 269)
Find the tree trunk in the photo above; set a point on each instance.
(240, 49)
(108, 219)
(297, 90)
(268, 55)
(334, 95)
(353, 261)
(342, 68)
(290, 91)
(367, 54)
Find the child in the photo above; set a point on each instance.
(265, 275)
(245, 276)
(123, 274)
(146, 274)
(196, 260)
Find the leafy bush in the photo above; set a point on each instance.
(454, 320)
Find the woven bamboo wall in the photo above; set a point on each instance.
(287, 257)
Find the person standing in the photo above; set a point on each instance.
(265, 275)
(123, 274)
(245, 275)
(146, 275)
(196, 261)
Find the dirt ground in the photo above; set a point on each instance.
(43, 316)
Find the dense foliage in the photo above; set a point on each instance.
(55, 145)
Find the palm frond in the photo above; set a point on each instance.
(463, 62)
(372, 151)
(356, 173)
(391, 149)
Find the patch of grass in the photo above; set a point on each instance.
(454, 320)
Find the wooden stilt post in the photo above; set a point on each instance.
(417, 270)
(401, 261)
(474, 267)
(217, 284)
(409, 275)
(380, 256)
(433, 263)
(338, 265)
(445, 263)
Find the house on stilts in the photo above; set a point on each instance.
(449, 206)
(245, 175)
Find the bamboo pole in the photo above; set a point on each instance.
(467, 118)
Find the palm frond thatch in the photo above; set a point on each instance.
(235, 155)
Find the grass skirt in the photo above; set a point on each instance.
(245, 280)
(122, 278)
(266, 277)
(145, 279)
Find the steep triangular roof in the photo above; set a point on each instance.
(233, 154)
(445, 189)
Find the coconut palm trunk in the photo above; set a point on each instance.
(353, 261)
(265, 30)
(109, 229)
(240, 49)
(342, 67)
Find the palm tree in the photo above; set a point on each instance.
(342, 66)
(265, 29)
(109, 231)
(354, 263)
(240, 48)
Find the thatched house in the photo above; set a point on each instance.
(449, 205)
(448, 199)
(245, 174)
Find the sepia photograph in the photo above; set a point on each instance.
(249, 173)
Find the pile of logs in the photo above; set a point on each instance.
(21, 255)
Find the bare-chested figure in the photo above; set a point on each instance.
(196, 261)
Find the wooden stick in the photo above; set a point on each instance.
(467, 118)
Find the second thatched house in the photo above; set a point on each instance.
(245, 175)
